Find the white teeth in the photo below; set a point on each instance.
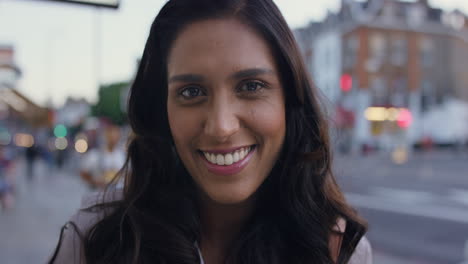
(220, 159)
(241, 154)
(235, 157)
(229, 158)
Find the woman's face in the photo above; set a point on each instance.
(226, 107)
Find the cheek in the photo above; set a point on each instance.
(269, 120)
(183, 125)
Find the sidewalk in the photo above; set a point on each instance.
(30, 231)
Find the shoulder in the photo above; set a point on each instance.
(69, 248)
(87, 216)
(89, 200)
(363, 253)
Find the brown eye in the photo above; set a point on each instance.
(191, 92)
(251, 86)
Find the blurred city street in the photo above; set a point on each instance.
(30, 230)
(417, 212)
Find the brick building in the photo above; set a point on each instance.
(399, 55)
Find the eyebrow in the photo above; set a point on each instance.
(238, 75)
(251, 73)
(186, 78)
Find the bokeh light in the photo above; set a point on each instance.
(24, 140)
(5, 138)
(400, 155)
(61, 143)
(81, 146)
(405, 118)
(60, 131)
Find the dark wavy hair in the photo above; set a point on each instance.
(157, 220)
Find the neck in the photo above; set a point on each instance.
(220, 224)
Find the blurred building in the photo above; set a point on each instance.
(20, 118)
(389, 62)
(9, 71)
(73, 113)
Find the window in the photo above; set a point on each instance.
(428, 95)
(427, 52)
(350, 51)
(399, 92)
(378, 90)
(416, 15)
(399, 53)
(377, 52)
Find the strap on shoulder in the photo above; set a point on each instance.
(336, 238)
(59, 244)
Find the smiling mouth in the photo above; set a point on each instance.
(227, 159)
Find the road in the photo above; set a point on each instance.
(417, 211)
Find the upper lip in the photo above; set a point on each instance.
(224, 150)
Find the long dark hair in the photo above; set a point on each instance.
(157, 220)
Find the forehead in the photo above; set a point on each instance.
(218, 44)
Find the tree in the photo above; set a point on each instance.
(109, 100)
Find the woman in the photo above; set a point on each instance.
(230, 159)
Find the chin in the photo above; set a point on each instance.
(229, 196)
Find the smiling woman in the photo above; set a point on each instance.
(230, 159)
(225, 97)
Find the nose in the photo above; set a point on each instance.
(221, 121)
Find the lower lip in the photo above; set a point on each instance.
(229, 169)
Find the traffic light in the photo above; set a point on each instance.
(346, 82)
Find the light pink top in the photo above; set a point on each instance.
(71, 251)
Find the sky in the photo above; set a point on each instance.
(65, 50)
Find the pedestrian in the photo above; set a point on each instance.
(229, 161)
(31, 154)
(100, 165)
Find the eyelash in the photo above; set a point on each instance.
(183, 90)
(258, 89)
(258, 83)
